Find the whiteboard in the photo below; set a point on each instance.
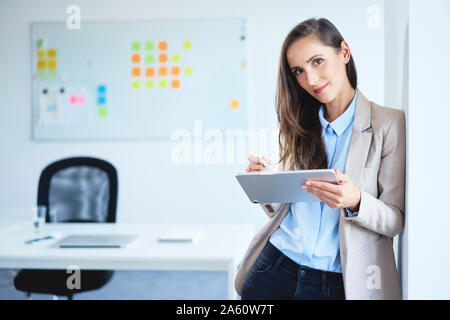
(137, 79)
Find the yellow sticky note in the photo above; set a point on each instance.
(175, 57)
(52, 65)
(188, 71)
(135, 85)
(150, 84)
(41, 54)
(51, 53)
(163, 83)
(187, 45)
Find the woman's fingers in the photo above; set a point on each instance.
(255, 163)
(255, 167)
(253, 159)
(267, 160)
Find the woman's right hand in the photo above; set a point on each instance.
(255, 164)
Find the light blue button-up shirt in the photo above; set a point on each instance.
(309, 234)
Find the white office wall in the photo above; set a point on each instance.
(152, 188)
(428, 220)
(395, 89)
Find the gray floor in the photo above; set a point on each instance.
(149, 285)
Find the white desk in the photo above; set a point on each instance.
(221, 247)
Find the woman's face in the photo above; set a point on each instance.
(318, 68)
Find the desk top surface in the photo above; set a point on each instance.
(216, 242)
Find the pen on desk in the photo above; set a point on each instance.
(38, 239)
(268, 166)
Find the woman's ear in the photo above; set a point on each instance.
(345, 50)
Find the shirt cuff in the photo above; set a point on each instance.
(350, 213)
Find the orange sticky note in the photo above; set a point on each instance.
(175, 71)
(162, 45)
(234, 104)
(41, 65)
(136, 72)
(163, 58)
(175, 84)
(149, 72)
(136, 58)
(162, 71)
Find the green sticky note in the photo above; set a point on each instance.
(135, 84)
(149, 45)
(149, 59)
(102, 112)
(40, 43)
(150, 84)
(163, 83)
(135, 46)
(187, 45)
(175, 57)
(188, 71)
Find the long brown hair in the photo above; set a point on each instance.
(300, 137)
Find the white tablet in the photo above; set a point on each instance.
(283, 186)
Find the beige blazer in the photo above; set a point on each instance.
(375, 164)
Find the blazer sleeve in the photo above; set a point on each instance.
(385, 214)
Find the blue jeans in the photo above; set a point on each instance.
(275, 276)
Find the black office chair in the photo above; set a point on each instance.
(81, 189)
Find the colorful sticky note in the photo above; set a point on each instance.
(162, 71)
(41, 65)
(52, 65)
(150, 84)
(101, 100)
(102, 112)
(41, 54)
(51, 53)
(40, 43)
(136, 72)
(162, 45)
(163, 83)
(149, 72)
(136, 58)
(101, 88)
(175, 71)
(188, 71)
(77, 99)
(175, 57)
(149, 45)
(162, 58)
(234, 104)
(135, 46)
(135, 84)
(149, 59)
(187, 45)
(175, 84)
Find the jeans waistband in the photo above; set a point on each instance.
(272, 252)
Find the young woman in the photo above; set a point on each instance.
(340, 247)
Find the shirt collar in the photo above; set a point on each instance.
(340, 124)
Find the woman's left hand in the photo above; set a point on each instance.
(344, 195)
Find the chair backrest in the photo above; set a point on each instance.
(81, 189)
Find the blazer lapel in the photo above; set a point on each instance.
(360, 141)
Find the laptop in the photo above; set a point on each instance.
(95, 241)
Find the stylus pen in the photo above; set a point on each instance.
(268, 166)
(38, 239)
